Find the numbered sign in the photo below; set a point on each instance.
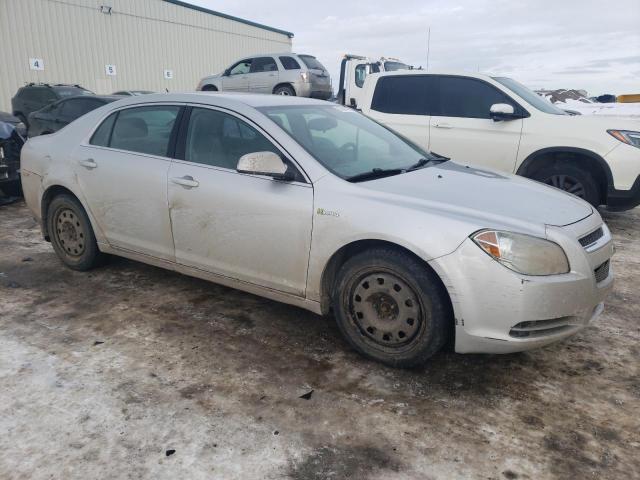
(110, 70)
(168, 74)
(36, 64)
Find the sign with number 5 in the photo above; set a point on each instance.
(110, 70)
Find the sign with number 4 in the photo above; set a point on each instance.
(36, 64)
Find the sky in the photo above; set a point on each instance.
(581, 44)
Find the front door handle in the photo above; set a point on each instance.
(443, 125)
(89, 163)
(187, 181)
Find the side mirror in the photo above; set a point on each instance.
(502, 111)
(21, 129)
(226, 72)
(264, 163)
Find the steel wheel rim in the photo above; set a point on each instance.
(567, 183)
(284, 92)
(69, 232)
(385, 309)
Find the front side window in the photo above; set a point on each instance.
(360, 74)
(343, 140)
(530, 96)
(144, 129)
(219, 139)
(240, 68)
(289, 63)
(467, 98)
(263, 64)
(403, 95)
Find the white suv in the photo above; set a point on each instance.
(499, 123)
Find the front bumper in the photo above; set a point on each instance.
(499, 311)
(624, 192)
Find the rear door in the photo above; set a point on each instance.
(238, 78)
(462, 129)
(263, 76)
(122, 172)
(248, 227)
(403, 103)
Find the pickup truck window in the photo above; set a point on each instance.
(467, 98)
(531, 97)
(403, 95)
(344, 141)
(360, 74)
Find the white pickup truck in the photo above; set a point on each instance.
(498, 123)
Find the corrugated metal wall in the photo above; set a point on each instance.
(142, 38)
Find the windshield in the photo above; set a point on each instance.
(312, 63)
(393, 66)
(530, 96)
(344, 141)
(71, 91)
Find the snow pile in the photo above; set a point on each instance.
(577, 101)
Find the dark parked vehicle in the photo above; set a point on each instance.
(35, 96)
(55, 116)
(12, 138)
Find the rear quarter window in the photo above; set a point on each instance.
(289, 63)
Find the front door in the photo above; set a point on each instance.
(461, 128)
(236, 79)
(247, 227)
(122, 172)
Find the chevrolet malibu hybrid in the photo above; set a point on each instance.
(315, 205)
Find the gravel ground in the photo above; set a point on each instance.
(130, 371)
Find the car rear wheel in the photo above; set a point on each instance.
(391, 308)
(572, 180)
(71, 234)
(284, 90)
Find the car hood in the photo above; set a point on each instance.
(483, 194)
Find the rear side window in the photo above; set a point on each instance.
(403, 95)
(101, 136)
(289, 63)
(144, 129)
(467, 97)
(263, 64)
(76, 107)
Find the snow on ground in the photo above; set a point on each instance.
(587, 107)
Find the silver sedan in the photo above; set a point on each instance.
(315, 205)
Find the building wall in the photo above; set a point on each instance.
(142, 38)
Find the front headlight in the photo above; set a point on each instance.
(626, 136)
(523, 253)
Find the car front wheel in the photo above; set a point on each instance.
(71, 233)
(391, 307)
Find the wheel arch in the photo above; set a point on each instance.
(340, 256)
(284, 84)
(49, 194)
(210, 87)
(548, 156)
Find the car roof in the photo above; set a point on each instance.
(222, 98)
(107, 98)
(454, 73)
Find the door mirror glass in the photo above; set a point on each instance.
(263, 163)
(502, 111)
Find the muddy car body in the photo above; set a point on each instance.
(315, 205)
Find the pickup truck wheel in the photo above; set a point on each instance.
(572, 180)
(390, 307)
(71, 233)
(284, 90)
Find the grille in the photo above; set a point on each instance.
(602, 272)
(540, 328)
(591, 238)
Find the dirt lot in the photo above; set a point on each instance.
(130, 371)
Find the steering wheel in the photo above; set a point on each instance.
(348, 150)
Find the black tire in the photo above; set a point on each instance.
(209, 88)
(572, 180)
(71, 234)
(12, 189)
(284, 90)
(400, 322)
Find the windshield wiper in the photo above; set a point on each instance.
(423, 162)
(375, 173)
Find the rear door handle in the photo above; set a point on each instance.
(186, 181)
(443, 125)
(88, 163)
